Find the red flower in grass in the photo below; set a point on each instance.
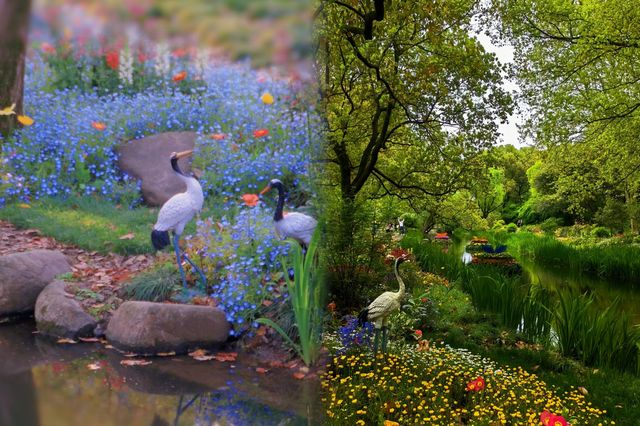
(98, 125)
(476, 385)
(113, 59)
(418, 334)
(399, 252)
(179, 77)
(549, 419)
(250, 200)
(260, 133)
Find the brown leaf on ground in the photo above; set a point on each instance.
(198, 352)
(131, 362)
(129, 236)
(130, 354)
(204, 357)
(172, 353)
(65, 340)
(89, 339)
(299, 375)
(226, 356)
(261, 370)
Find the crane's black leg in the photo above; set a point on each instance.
(176, 248)
(384, 338)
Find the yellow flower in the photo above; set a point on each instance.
(391, 423)
(10, 110)
(267, 98)
(25, 120)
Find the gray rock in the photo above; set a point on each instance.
(60, 316)
(149, 328)
(24, 275)
(147, 159)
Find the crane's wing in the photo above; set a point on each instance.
(382, 305)
(298, 226)
(176, 210)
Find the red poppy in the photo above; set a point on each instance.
(179, 53)
(98, 125)
(555, 420)
(399, 252)
(180, 76)
(218, 136)
(476, 385)
(250, 200)
(47, 48)
(113, 59)
(418, 334)
(260, 133)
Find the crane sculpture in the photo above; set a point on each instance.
(294, 225)
(466, 257)
(176, 213)
(384, 305)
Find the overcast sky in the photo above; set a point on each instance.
(509, 131)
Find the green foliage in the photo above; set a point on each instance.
(307, 294)
(511, 227)
(88, 222)
(156, 285)
(601, 232)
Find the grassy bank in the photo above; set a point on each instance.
(620, 262)
(510, 322)
(87, 222)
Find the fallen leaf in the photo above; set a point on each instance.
(129, 236)
(131, 362)
(172, 353)
(95, 366)
(267, 302)
(261, 370)
(299, 375)
(198, 352)
(583, 390)
(130, 354)
(66, 341)
(204, 357)
(88, 339)
(226, 356)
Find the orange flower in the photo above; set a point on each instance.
(476, 385)
(180, 76)
(260, 133)
(250, 200)
(113, 59)
(25, 120)
(218, 136)
(98, 125)
(47, 48)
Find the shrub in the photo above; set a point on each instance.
(511, 227)
(601, 232)
(550, 225)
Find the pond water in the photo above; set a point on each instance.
(43, 383)
(604, 291)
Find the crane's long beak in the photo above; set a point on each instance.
(265, 190)
(183, 154)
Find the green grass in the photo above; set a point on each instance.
(616, 261)
(156, 285)
(87, 222)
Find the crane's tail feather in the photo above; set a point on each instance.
(160, 239)
(363, 317)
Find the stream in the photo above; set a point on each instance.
(44, 383)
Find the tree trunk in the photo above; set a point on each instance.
(14, 26)
(630, 202)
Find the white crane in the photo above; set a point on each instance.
(384, 305)
(294, 225)
(176, 213)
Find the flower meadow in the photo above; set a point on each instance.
(439, 385)
(252, 126)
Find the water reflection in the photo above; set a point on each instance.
(43, 383)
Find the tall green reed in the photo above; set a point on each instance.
(307, 293)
